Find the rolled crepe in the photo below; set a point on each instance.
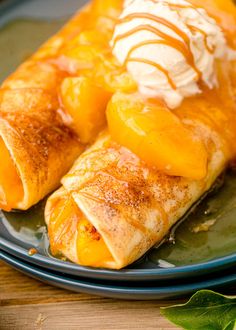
(33, 136)
(112, 208)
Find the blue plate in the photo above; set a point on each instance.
(143, 270)
(16, 240)
(146, 292)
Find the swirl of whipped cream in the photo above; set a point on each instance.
(169, 46)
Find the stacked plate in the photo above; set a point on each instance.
(197, 261)
(26, 249)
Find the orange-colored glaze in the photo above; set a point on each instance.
(81, 57)
(93, 38)
(86, 104)
(182, 46)
(11, 189)
(157, 136)
(178, 6)
(159, 20)
(67, 223)
(155, 65)
(32, 252)
(113, 77)
(175, 5)
(216, 108)
(196, 29)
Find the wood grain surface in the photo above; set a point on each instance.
(28, 304)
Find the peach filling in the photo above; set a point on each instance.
(67, 223)
(157, 136)
(11, 189)
(86, 105)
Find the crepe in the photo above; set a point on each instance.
(33, 132)
(113, 206)
(50, 111)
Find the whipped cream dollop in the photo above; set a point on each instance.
(169, 47)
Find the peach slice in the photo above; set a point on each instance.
(86, 104)
(113, 77)
(83, 52)
(215, 108)
(157, 136)
(79, 59)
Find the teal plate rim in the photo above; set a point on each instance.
(121, 292)
(127, 274)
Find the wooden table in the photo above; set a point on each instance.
(28, 304)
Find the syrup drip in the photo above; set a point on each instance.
(32, 252)
(196, 29)
(175, 5)
(159, 20)
(114, 19)
(182, 46)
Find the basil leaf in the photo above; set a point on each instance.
(206, 310)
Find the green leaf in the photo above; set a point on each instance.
(206, 310)
(231, 326)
